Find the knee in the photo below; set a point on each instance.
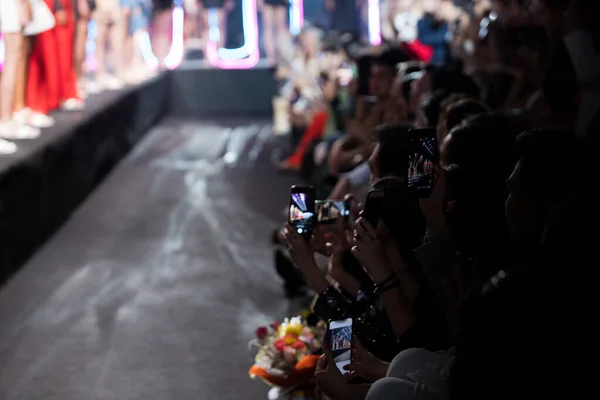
(390, 388)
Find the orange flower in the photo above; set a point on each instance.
(290, 339)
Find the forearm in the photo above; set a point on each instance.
(341, 189)
(398, 310)
(397, 307)
(313, 275)
(347, 282)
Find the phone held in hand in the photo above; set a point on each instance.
(339, 336)
(421, 158)
(373, 206)
(302, 210)
(328, 211)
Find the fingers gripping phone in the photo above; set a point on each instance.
(373, 207)
(421, 158)
(328, 211)
(340, 342)
(302, 210)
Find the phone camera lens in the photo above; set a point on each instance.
(300, 230)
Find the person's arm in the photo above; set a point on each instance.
(341, 188)
(429, 36)
(371, 255)
(398, 310)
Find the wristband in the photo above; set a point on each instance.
(386, 280)
(389, 286)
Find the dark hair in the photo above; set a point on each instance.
(454, 81)
(363, 68)
(543, 175)
(560, 86)
(484, 158)
(453, 98)
(432, 106)
(557, 5)
(392, 148)
(391, 58)
(458, 112)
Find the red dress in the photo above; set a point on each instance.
(52, 77)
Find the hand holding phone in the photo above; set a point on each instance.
(302, 210)
(373, 207)
(365, 367)
(329, 211)
(340, 342)
(421, 158)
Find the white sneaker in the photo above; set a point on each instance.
(7, 147)
(39, 120)
(13, 130)
(21, 116)
(28, 117)
(73, 105)
(110, 82)
(93, 87)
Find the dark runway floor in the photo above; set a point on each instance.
(154, 287)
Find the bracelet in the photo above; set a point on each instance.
(386, 280)
(391, 285)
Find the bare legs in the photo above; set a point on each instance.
(125, 41)
(268, 17)
(101, 38)
(21, 74)
(13, 43)
(81, 35)
(161, 29)
(275, 30)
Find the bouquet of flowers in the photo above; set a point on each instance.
(287, 352)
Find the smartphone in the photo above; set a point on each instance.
(302, 210)
(340, 342)
(328, 211)
(421, 158)
(373, 207)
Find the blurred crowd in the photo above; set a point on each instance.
(481, 286)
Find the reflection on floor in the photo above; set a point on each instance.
(156, 284)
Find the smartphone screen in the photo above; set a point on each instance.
(340, 342)
(373, 206)
(422, 156)
(328, 211)
(302, 209)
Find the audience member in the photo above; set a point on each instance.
(451, 290)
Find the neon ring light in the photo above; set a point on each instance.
(244, 57)
(296, 16)
(1, 52)
(374, 23)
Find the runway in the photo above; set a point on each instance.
(156, 284)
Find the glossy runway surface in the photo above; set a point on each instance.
(154, 287)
